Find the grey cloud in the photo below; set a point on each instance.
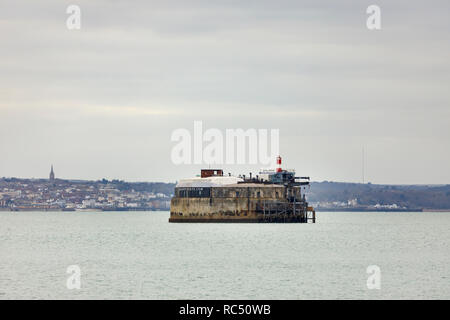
(310, 68)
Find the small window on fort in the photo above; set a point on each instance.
(276, 194)
(258, 194)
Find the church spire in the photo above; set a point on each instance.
(52, 174)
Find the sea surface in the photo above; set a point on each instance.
(139, 255)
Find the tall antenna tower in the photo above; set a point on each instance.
(363, 165)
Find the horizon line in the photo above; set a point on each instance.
(328, 181)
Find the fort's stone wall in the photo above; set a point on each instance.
(236, 202)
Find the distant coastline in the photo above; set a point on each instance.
(78, 210)
(379, 210)
(116, 195)
(78, 195)
(152, 209)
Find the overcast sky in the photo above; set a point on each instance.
(102, 102)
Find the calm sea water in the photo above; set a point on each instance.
(139, 255)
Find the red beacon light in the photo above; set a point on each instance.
(279, 164)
